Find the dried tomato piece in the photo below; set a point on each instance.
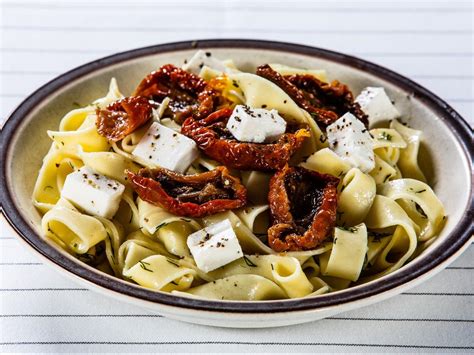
(212, 136)
(182, 87)
(325, 102)
(195, 195)
(303, 207)
(213, 98)
(122, 117)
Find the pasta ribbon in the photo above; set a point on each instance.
(408, 162)
(386, 213)
(285, 271)
(348, 253)
(383, 171)
(57, 164)
(161, 273)
(239, 288)
(170, 229)
(325, 161)
(356, 194)
(387, 137)
(256, 218)
(426, 205)
(256, 183)
(71, 229)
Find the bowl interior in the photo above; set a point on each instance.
(442, 157)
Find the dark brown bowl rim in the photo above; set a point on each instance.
(457, 238)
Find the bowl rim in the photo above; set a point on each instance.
(453, 242)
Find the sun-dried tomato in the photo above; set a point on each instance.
(212, 98)
(325, 102)
(195, 195)
(212, 136)
(182, 87)
(303, 207)
(122, 117)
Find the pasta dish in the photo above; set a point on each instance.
(212, 182)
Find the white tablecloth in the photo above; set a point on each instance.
(431, 42)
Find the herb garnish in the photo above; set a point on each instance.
(172, 262)
(143, 265)
(249, 262)
(160, 226)
(386, 136)
(420, 211)
(349, 229)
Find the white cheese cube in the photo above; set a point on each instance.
(162, 146)
(201, 59)
(349, 139)
(256, 125)
(94, 193)
(376, 104)
(214, 246)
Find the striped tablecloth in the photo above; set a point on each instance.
(431, 42)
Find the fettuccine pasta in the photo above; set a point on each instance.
(214, 183)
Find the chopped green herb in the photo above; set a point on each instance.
(386, 136)
(143, 265)
(387, 177)
(174, 283)
(171, 261)
(249, 262)
(377, 236)
(420, 210)
(160, 226)
(349, 229)
(48, 187)
(420, 191)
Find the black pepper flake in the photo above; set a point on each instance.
(285, 101)
(264, 106)
(57, 165)
(175, 134)
(157, 136)
(185, 61)
(208, 54)
(237, 118)
(201, 65)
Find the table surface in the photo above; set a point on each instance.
(431, 42)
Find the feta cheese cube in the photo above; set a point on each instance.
(214, 246)
(376, 104)
(349, 139)
(256, 125)
(201, 59)
(94, 193)
(162, 146)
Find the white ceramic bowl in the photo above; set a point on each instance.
(446, 154)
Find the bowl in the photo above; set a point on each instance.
(447, 150)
